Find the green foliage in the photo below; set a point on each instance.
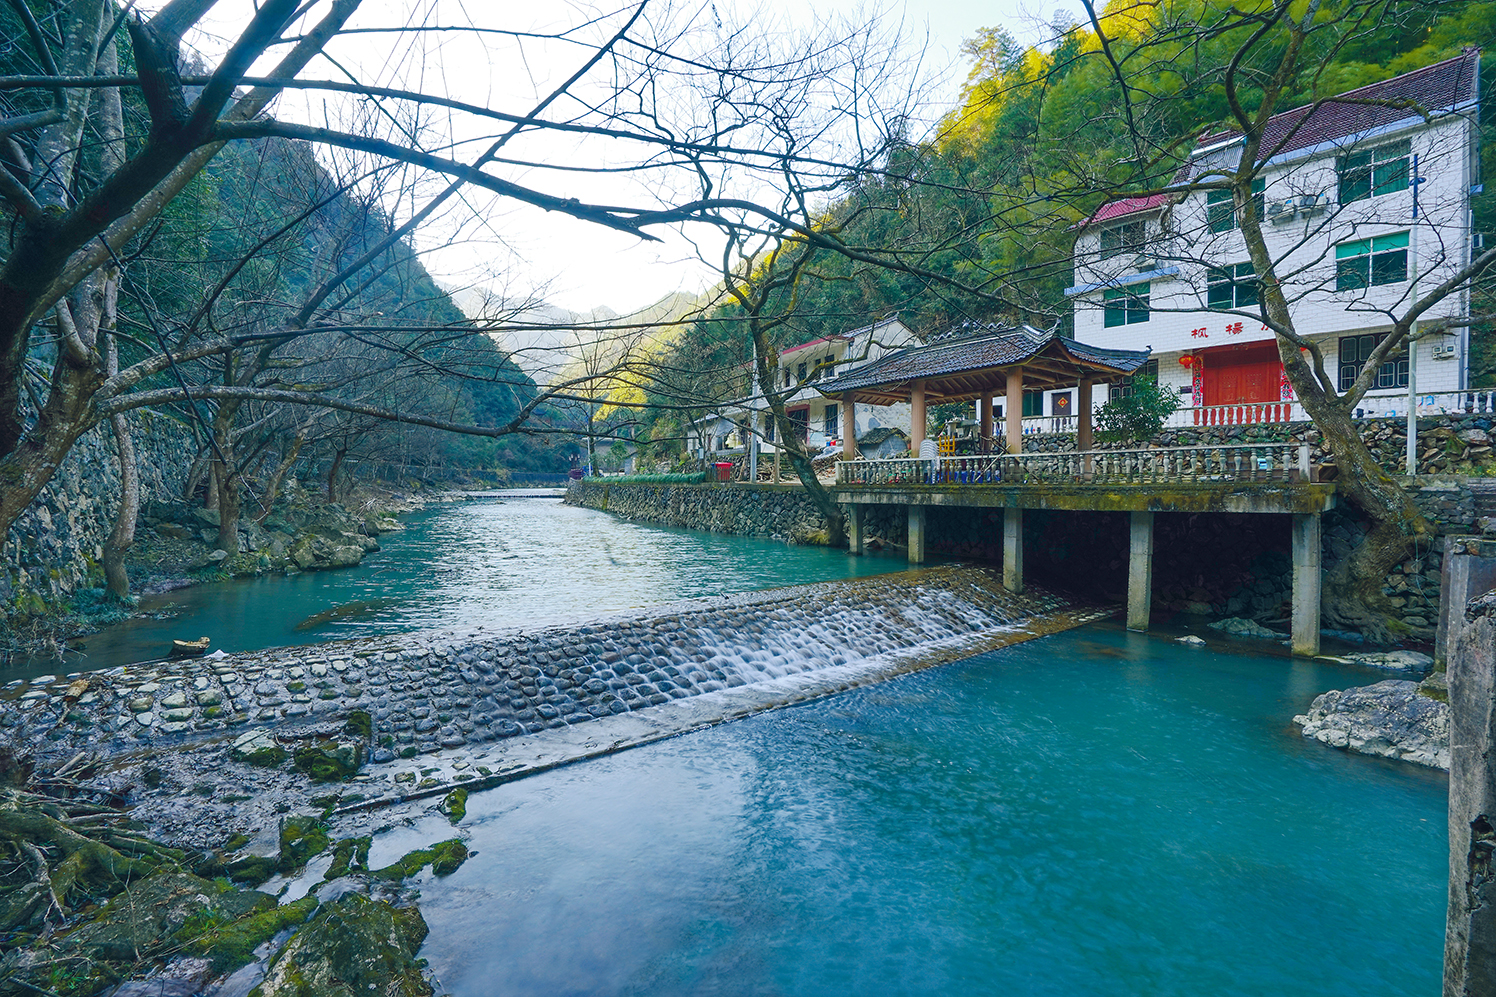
(695, 478)
(1138, 416)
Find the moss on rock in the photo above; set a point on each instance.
(353, 947)
(444, 857)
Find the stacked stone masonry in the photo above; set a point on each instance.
(54, 548)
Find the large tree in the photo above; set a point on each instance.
(106, 121)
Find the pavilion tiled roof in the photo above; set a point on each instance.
(1434, 90)
(973, 359)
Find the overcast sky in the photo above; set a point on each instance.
(515, 250)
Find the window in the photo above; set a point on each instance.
(1124, 238)
(832, 429)
(1382, 170)
(1231, 287)
(1220, 214)
(1126, 305)
(800, 373)
(1356, 350)
(1033, 403)
(1124, 388)
(1382, 259)
(800, 421)
(769, 426)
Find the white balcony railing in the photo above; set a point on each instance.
(1237, 463)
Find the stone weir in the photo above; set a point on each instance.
(427, 692)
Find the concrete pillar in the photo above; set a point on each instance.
(1083, 414)
(1013, 421)
(984, 418)
(854, 528)
(1013, 550)
(1470, 931)
(917, 428)
(916, 534)
(1140, 571)
(1304, 632)
(1461, 578)
(849, 426)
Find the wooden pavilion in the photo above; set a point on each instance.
(981, 362)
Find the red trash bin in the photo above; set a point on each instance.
(724, 471)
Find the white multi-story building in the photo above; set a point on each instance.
(801, 368)
(1366, 205)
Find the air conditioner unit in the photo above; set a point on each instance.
(1280, 211)
(1309, 204)
(1444, 351)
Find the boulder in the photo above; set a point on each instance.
(352, 947)
(1412, 662)
(1240, 627)
(257, 747)
(1390, 719)
(330, 761)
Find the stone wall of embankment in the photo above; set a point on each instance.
(54, 548)
(1212, 563)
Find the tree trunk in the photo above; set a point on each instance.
(122, 537)
(1353, 596)
(272, 488)
(332, 475)
(228, 507)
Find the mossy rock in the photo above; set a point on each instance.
(258, 748)
(253, 870)
(230, 942)
(143, 921)
(444, 857)
(301, 838)
(330, 761)
(455, 805)
(349, 855)
(360, 724)
(352, 947)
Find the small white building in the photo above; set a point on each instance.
(1365, 205)
(818, 419)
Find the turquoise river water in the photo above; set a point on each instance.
(1093, 813)
(473, 564)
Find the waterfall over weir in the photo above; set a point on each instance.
(427, 692)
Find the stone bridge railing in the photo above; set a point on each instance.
(1158, 465)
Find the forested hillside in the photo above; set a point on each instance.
(981, 213)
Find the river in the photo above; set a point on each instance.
(480, 564)
(1093, 813)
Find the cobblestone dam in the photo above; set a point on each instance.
(427, 692)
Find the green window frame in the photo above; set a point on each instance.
(1125, 305)
(832, 423)
(1127, 237)
(1220, 213)
(1354, 351)
(1231, 287)
(1373, 172)
(1033, 403)
(1382, 259)
(1124, 387)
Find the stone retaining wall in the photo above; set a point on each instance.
(1218, 564)
(54, 548)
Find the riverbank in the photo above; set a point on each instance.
(176, 548)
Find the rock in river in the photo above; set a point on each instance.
(1389, 719)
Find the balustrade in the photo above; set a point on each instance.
(1159, 465)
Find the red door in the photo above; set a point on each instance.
(1236, 376)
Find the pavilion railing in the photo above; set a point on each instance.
(1159, 465)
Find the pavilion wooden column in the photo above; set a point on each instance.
(916, 417)
(849, 426)
(1083, 414)
(1013, 423)
(985, 418)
